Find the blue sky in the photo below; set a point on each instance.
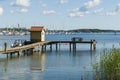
(61, 14)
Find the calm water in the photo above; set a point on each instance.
(61, 65)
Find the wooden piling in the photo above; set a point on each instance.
(5, 47)
(91, 45)
(18, 53)
(7, 55)
(50, 47)
(31, 51)
(11, 54)
(70, 46)
(42, 48)
(94, 45)
(56, 47)
(59, 46)
(45, 47)
(25, 52)
(74, 47)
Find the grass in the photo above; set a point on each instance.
(109, 66)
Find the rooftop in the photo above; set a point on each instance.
(37, 28)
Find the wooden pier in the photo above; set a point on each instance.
(42, 46)
(72, 44)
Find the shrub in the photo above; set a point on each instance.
(109, 66)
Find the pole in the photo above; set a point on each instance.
(74, 47)
(5, 47)
(56, 47)
(59, 46)
(70, 47)
(42, 47)
(50, 47)
(94, 45)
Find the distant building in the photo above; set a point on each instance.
(37, 33)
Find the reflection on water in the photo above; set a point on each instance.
(38, 61)
(22, 68)
(6, 65)
(63, 65)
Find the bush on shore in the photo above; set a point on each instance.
(109, 66)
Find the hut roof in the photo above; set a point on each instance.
(37, 28)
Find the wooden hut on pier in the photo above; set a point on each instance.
(37, 33)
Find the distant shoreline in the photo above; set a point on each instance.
(83, 31)
(24, 31)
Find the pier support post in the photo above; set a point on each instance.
(25, 52)
(42, 48)
(7, 55)
(56, 47)
(50, 47)
(45, 47)
(11, 54)
(74, 47)
(31, 51)
(91, 45)
(70, 47)
(59, 46)
(18, 53)
(94, 45)
(5, 46)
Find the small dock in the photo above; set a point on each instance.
(42, 46)
(72, 44)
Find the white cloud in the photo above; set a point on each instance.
(118, 7)
(77, 12)
(1, 10)
(113, 13)
(47, 12)
(43, 4)
(12, 11)
(23, 10)
(82, 11)
(63, 1)
(98, 11)
(25, 3)
(91, 4)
